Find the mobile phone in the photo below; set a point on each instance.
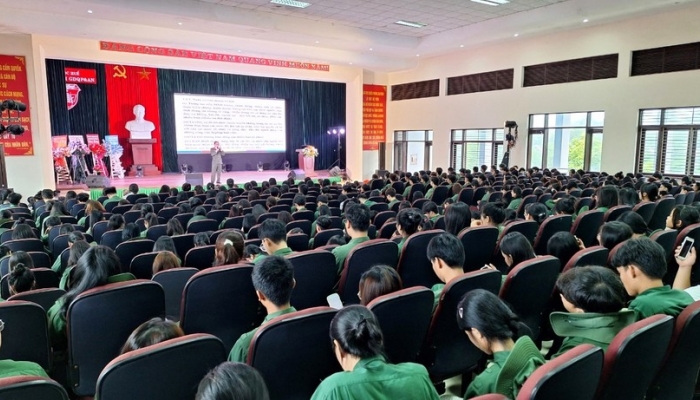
(334, 301)
(687, 244)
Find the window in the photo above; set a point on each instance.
(567, 140)
(476, 147)
(668, 141)
(413, 150)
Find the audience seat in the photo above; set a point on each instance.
(550, 226)
(204, 225)
(304, 225)
(58, 244)
(218, 216)
(31, 388)
(180, 364)
(316, 274)
(646, 210)
(117, 209)
(131, 216)
(298, 242)
(573, 375)
(584, 201)
(414, 267)
(111, 239)
(596, 256)
(360, 259)
(25, 245)
(382, 217)
(305, 215)
(479, 244)
(528, 288)
(322, 238)
(142, 265)
(98, 323)
(663, 209)
(270, 349)
(26, 335)
(529, 229)
(447, 351)
(183, 244)
(404, 317)
(221, 301)
(614, 213)
(633, 358)
(183, 218)
(520, 212)
(234, 223)
(45, 278)
(156, 231)
(689, 198)
(387, 230)
(612, 253)
(200, 257)
(43, 297)
(379, 207)
(466, 196)
(126, 251)
(587, 225)
(39, 258)
(173, 282)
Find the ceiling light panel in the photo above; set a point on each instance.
(291, 3)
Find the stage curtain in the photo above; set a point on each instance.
(128, 86)
(312, 107)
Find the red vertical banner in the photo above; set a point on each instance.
(373, 116)
(128, 86)
(13, 86)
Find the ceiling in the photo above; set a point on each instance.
(338, 32)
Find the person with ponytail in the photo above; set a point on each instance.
(492, 214)
(229, 248)
(408, 221)
(494, 329)
(21, 279)
(536, 212)
(358, 346)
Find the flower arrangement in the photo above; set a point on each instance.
(114, 149)
(310, 151)
(78, 148)
(98, 149)
(60, 153)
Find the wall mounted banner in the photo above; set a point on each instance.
(81, 75)
(373, 116)
(204, 55)
(13, 86)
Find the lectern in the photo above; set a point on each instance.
(142, 154)
(306, 164)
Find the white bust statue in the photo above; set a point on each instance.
(140, 128)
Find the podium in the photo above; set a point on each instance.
(306, 164)
(142, 154)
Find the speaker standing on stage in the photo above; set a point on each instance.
(217, 162)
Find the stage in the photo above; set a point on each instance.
(152, 183)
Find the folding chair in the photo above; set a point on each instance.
(183, 244)
(596, 256)
(322, 238)
(200, 257)
(360, 259)
(586, 227)
(550, 226)
(126, 251)
(204, 225)
(414, 268)
(663, 209)
(111, 239)
(298, 242)
(479, 244)
(173, 282)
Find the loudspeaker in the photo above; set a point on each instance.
(194, 179)
(382, 155)
(97, 181)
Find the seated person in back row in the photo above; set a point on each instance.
(273, 234)
(273, 279)
(446, 254)
(594, 298)
(642, 266)
(10, 368)
(357, 220)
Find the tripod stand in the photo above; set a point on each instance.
(338, 132)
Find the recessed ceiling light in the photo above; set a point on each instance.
(291, 3)
(417, 55)
(412, 24)
(585, 20)
(461, 45)
(350, 63)
(516, 35)
(179, 23)
(317, 42)
(89, 11)
(370, 49)
(492, 2)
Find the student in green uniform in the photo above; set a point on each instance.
(515, 249)
(273, 234)
(10, 368)
(458, 217)
(198, 214)
(229, 248)
(446, 254)
(410, 181)
(682, 217)
(516, 198)
(321, 200)
(391, 197)
(378, 281)
(642, 266)
(593, 298)
(273, 279)
(536, 212)
(492, 214)
(151, 332)
(606, 198)
(357, 219)
(93, 269)
(433, 183)
(21, 279)
(232, 380)
(564, 206)
(636, 223)
(430, 210)
(151, 219)
(407, 223)
(493, 328)
(321, 224)
(613, 233)
(299, 203)
(364, 199)
(358, 347)
(111, 193)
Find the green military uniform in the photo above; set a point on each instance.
(550, 204)
(391, 203)
(586, 208)
(374, 378)
(285, 251)
(486, 197)
(113, 199)
(341, 252)
(660, 300)
(429, 193)
(239, 352)
(514, 204)
(589, 328)
(196, 218)
(437, 291)
(10, 368)
(508, 371)
(455, 198)
(369, 203)
(400, 245)
(406, 192)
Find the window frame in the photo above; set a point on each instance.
(494, 143)
(401, 147)
(662, 142)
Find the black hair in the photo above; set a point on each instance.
(495, 211)
(92, 269)
(516, 245)
(323, 222)
(684, 216)
(409, 220)
(614, 233)
(378, 281)
(635, 222)
(21, 279)
(133, 188)
(251, 250)
(75, 236)
(201, 211)
(430, 206)
(130, 231)
(565, 205)
(593, 289)
(109, 190)
(457, 217)
(562, 245)
(651, 190)
(447, 248)
(116, 222)
(272, 229)
(644, 254)
(174, 227)
(484, 311)
(184, 208)
(537, 211)
(607, 197)
(151, 219)
(324, 210)
(274, 277)
(337, 239)
(299, 200)
(232, 381)
(20, 257)
(23, 231)
(358, 216)
(201, 239)
(164, 243)
(151, 332)
(628, 197)
(357, 332)
(517, 192)
(249, 221)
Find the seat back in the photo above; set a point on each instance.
(414, 267)
(586, 227)
(528, 288)
(173, 282)
(304, 215)
(667, 240)
(181, 363)
(596, 255)
(634, 357)
(550, 226)
(529, 229)
(156, 231)
(111, 239)
(270, 348)
(131, 216)
(97, 328)
(440, 194)
(304, 225)
(382, 217)
(689, 198)
(386, 232)
(25, 245)
(200, 257)
(43, 297)
(646, 210)
(614, 213)
(142, 265)
(479, 244)
(584, 201)
(298, 242)
(221, 301)
(315, 274)
(59, 244)
(183, 244)
(663, 209)
(126, 251)
(26, 335)
(520, 212)
(466, 196)
(360, 259)
(45, 278)
(31, 388)
(408, 310)
(39, 258)
(680, 199)
(447, 350)
(183, 218)
(322, 238)
(99, 229)
(204, 225)
(679, 371)
(573, 375)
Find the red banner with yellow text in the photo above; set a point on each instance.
(13, 86)
(373, 116)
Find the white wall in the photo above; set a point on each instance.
(29, 174)
(620, 98)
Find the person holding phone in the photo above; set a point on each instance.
(686, 255)
(217, 162)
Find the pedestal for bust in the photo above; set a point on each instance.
(142, 154)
